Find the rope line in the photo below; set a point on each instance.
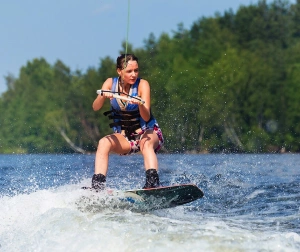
(126, 42)
(128, 15)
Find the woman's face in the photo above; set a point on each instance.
(130, 73)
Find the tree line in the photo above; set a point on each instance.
(230, 83)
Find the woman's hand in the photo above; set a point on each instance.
(106, 94)
(99, 101)
(136, 100)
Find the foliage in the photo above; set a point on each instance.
(229, 84)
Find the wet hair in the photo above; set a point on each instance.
(123, 59)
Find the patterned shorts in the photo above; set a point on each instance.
(135, 143)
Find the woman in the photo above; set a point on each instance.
(135, 128)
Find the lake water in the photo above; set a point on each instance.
(251, 203)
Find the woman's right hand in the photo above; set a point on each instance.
(106, 94)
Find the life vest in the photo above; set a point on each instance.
(126, 116)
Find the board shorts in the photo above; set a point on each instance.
(135, 143)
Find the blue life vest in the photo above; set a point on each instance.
(128, 118)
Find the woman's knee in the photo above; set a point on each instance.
(104, 144)
(114, 143)
(148, 143)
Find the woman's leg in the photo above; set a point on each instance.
(148, 144)
(112, 143)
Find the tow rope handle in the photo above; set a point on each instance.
(116, 95)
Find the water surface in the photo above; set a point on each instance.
(251, 203)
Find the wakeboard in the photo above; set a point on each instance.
(164, 197)
(156, 198)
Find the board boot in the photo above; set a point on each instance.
(152, 179)
(98, 181)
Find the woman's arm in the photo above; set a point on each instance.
(144, 93)
(99, 101)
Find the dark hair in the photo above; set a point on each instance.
(123, 59)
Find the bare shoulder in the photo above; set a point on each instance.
(107, 85)
(144, 84)
(144, 89)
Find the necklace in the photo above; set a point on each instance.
(122, 88)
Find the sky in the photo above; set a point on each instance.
(81, 32)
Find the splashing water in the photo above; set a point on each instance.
(251, 203)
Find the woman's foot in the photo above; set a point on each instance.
(152, 179)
